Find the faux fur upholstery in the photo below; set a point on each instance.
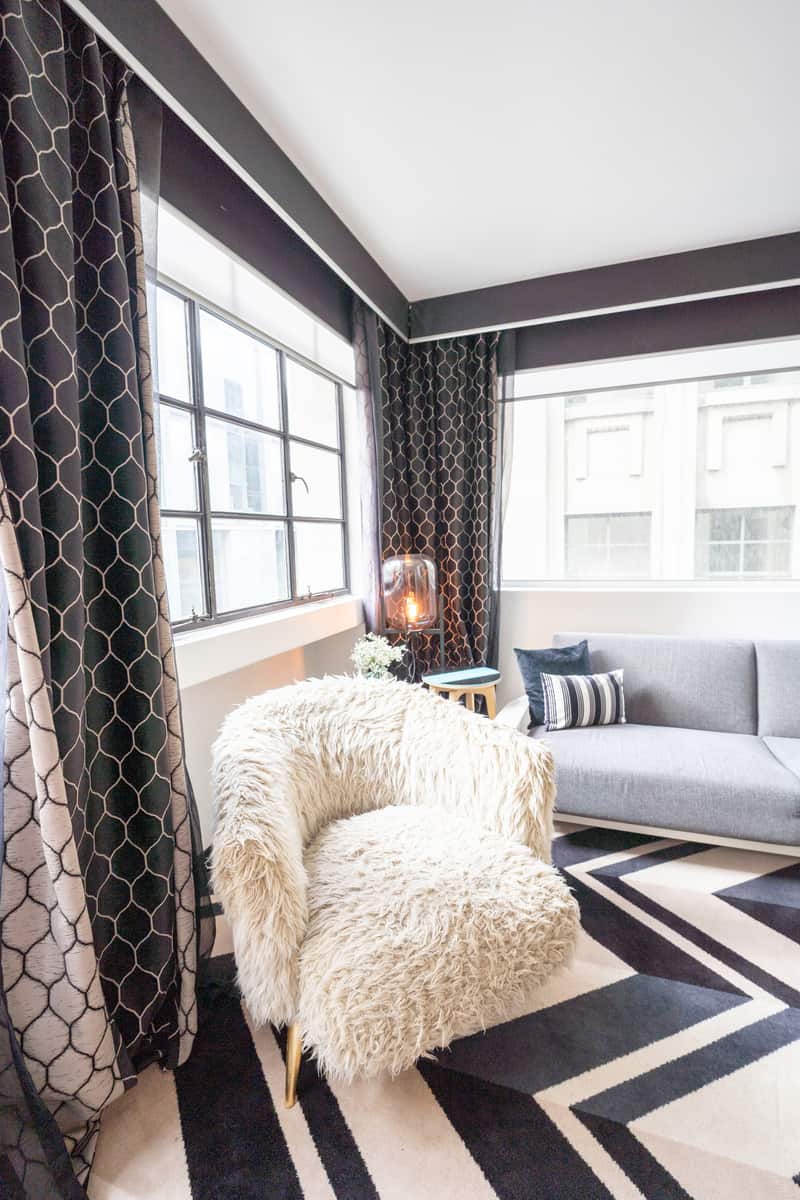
(292, 761)
(423, 927)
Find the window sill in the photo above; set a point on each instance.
(203, 654)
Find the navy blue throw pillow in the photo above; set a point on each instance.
(559, 660)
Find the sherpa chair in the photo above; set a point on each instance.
(382, 858)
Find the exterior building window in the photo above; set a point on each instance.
(742, 542)
(251, 468)
(684, 480)
(608, 546)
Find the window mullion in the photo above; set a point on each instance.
(343, 487)
(287, 473)
(202, 464)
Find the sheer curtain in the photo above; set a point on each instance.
(102, 874)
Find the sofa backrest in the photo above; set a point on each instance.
(778, 667)
(692, 683)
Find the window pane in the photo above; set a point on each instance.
(629, 562)
(249, 563)
(714, 461)
(723, 558)
(245, 469)
(630, 529)
(312, 405)
(173, 351)
(725, 526)
(316, 487)
(608, 546)
(744, 541)
(240, 373)
(177, 478)
(180, 545)
(319, 558)
(586, 562)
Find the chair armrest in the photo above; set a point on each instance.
(258, 874)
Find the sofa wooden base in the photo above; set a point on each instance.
(680, 834)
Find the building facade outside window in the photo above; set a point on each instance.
(687, 480)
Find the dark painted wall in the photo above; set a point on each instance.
(146, 31)
(200, 185)
(718, 321)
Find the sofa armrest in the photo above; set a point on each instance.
(516, 714)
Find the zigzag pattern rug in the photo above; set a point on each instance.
(664, 1064)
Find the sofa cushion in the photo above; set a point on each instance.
(778, 667)
(562, 660)
(693, 683)
(727, 784)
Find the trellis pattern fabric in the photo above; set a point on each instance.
(100, 875)
(439, 425)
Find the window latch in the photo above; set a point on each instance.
(197, 455)
(298, 479)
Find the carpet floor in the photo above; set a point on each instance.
(665, 1063)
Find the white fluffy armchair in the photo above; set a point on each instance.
(419, 918)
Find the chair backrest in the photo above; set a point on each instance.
(692, 683)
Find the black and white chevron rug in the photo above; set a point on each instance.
(665, 1063)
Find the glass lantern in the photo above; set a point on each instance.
(410, 595)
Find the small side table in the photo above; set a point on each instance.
(468, 682)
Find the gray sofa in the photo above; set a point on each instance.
(711, 745)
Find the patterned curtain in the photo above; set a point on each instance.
(101, 869)
(439, 433)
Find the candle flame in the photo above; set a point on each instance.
(412, 609)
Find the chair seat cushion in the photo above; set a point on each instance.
(724, 784)
(423, 927)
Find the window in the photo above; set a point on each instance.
(251, 468)
(689, 479)
(741, 542)
(611, 546)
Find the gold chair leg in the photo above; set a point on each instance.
(294, 1053)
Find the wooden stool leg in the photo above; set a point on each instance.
(490, 696)
(470, 701)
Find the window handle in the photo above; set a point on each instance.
(197, 455)
(299, 478)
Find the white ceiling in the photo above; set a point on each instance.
(468, 143)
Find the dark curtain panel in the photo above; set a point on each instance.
(101, 874)
(439, 435)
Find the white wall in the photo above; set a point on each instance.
(530, 617)
(205, 705)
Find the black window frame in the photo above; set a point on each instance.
(204, 515)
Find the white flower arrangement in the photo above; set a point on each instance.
(373, 655)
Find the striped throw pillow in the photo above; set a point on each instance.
(573, 701)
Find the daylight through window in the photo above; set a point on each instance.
(251, 468)
(684, 480)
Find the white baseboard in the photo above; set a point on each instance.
(681, 835)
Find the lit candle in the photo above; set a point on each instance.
(412, 609)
